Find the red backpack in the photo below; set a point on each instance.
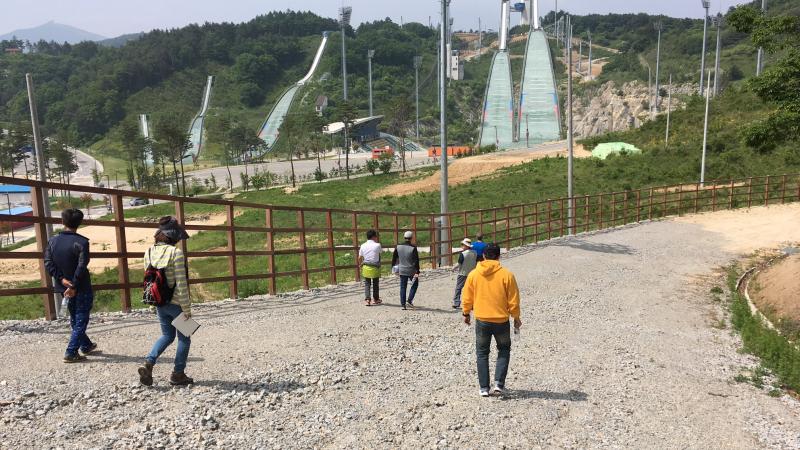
(156, 288)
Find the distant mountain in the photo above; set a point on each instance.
(52, 31)
(119, 41)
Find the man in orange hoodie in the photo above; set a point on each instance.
(491, 293)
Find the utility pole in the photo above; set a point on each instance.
(760, 57)
(669, 110)
(370, 54)
(345, 12)
(590, 54)
(446, 248)
(580, 53)
(41, 162)
(480, 37)
(706, 5)
(705, 133)
(659, 26)
(417, 63)
(718, 23)
(571, 207)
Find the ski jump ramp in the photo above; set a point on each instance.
(269, 128)
(196, 128)
(497, 126)
(538, 114)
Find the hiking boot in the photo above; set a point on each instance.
(69, 359)
(180, 379)
(377, 301)
(146, 373)
(484, 392)
(498, 390)
(411, 306)
(90, 349)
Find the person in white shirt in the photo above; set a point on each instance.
(369, 258)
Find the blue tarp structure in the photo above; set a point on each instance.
(12, 189)
(16, 211)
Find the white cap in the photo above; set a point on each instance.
(408, 235)
(467, 242)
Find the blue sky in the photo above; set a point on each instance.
(114, 17)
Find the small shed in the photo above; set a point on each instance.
(603, 150)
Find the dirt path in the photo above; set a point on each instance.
(617, 351)
(465, 170)
(102, 239)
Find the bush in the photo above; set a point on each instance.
(319, 175)
(385, 163)
(372, 166)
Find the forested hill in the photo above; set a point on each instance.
(682, 39)
(86, 89)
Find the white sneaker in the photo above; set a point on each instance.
(484, 392)
(497, 390)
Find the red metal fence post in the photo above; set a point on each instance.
(508, 228)
(301, 223)
(234, 285)
(123, 270)
(355, 245)
(766, 192)
(271, 248)
(331, 246)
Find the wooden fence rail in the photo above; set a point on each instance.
(318, 246)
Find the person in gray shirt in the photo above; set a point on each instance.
(406, 258)
(467, 260)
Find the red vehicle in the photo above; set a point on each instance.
(378, 152)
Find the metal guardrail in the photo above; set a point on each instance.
(330, 237)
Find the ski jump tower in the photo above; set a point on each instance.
(497, 125)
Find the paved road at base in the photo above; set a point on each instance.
(618, 349)
(301, 167)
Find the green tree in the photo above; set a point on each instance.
(346, 113)
(400, 122)
(779, 83)
(174, 141)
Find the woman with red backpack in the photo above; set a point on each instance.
(166, 288)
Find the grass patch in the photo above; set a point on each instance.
(777, 354)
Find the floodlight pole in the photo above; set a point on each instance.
(669, 110)
(760, 57)
(344, 20)
(718, 23)
(570, 208)
(590, 54)
(443, 200)
(705, 133)
(659, 27)
(417, 63)
(370, 54)
(706, 4)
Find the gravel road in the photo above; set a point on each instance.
(618, 350)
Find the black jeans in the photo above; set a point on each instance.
(375, 285)
(483, 339)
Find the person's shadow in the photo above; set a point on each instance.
(522, 394)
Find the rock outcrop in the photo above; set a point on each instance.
(612, 108)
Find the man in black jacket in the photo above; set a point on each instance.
(67, 258)
(406, 259)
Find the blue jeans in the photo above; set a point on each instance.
(79, 308)
(166, 314)
(483, 340)
(404, 286)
